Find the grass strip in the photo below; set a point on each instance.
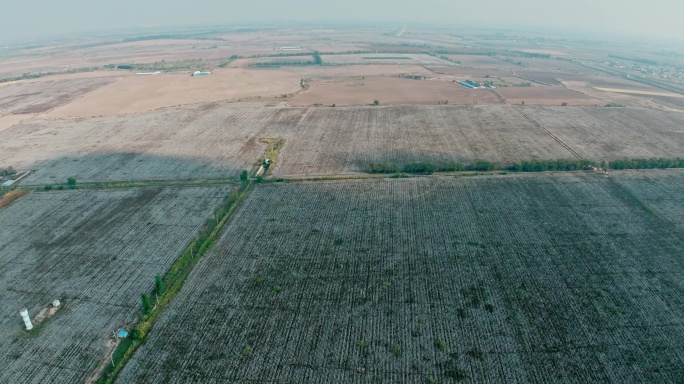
(173, 281)
(131, 184)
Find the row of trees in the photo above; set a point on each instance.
(642, 163)
(426, 168)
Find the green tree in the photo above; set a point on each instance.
(71, 182)
(159, 285)
(376, 102)
(146, 303)
(243, 176)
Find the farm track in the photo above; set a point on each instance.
(551, 135)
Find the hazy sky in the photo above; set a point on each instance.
(21, 18)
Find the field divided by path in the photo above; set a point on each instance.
(96, 251)
(219, 140)
(518, 278)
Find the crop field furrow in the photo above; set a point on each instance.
(96, 251)
(443, 278)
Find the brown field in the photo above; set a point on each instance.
(640, 92)
(556, 65)
(459, 71)
(8, 121)
(218, 140)
(45, 95)
(546, 96)
(384, 58)
(392, 90)
(482, 62)
(57, 59)
(133, 93)
(265, 60)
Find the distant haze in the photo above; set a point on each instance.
(42, 18)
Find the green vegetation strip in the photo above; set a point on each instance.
(169, 285)
(426, 168)
(72, 184)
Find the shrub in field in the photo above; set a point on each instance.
(246, 351)
(145, 303)
(441, 345)
(383, 168)
(7, 171)
(159, 286)
(448, 166)
(481, 165)
(71, 182)
(552, 165)
(11, 196)
(47, 187)
(651, 163)
(423, 168)
(243, 175)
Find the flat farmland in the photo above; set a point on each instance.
(391, 91)
(205, 141)
(518, 278)
(45, 94)
(482, 62)
(662, 191)
(218, 140)
(96, 251)
(384, 58)
(346, 140)
(134, 94)
(460, 71)
(546, 96)
(609, 133)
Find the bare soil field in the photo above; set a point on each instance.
(600, 132)
(546, 96)
(8, 121)
(221, 139)
(526, 278)
(383, 58)
(460, 71)
(204, 141)
(482, 62)
(642, 92)
(392, 91)
(238, 63)
(46, 94)
(133, 94)
(327, 141)
(95, 251)
(556, 65)
(59, 58)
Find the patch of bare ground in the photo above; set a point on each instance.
(133, 94)
(392, 91)
(8, 121)
(609, 133)
(202, 141)
(546, 96)
(46, 94)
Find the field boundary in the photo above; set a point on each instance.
(169, 285)
(551, 135)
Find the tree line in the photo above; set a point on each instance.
(427, 167)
